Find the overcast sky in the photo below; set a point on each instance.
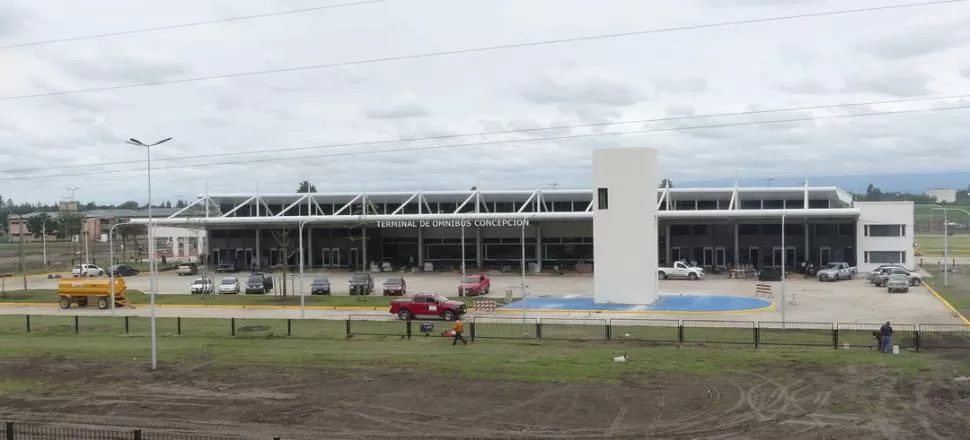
(872, 56)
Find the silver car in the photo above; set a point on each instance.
(229, 285)
(898, 282)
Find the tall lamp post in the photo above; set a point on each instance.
(784, 275)
(152, 289)
(73, 207)
(43, 229)
(946, 240)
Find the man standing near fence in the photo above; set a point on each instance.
(458, 328)
(886, 338)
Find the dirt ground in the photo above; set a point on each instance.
(195, 397)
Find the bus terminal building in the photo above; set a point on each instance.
(723, 227)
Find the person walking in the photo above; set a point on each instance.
(458, 328)
(886, 335)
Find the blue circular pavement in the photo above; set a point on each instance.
(685, 304)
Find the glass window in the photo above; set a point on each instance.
(885, 257)
(603, 198)
(885, 230)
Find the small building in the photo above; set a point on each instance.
(942, 195)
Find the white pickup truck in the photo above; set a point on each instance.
(681, 270)
(87, 270)
(836, 272)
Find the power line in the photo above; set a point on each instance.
(498, 142)
(489, 133)
(185, 25)
(473, 50)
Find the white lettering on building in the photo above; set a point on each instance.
(491, 223)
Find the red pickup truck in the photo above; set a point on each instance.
(474, 285)
(427, 305)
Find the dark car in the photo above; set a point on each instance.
(225, 268)
(395, 286)
(122, 270)
(772, 273)
(361, 284)
(320, 286)
(259, 283)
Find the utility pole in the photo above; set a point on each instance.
(23, 265)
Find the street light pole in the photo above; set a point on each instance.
(111, 262)
(462, 282)
(44, 238)
(784, 276)
(151, 247)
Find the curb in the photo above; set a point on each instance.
(643, 312)
(947, 304)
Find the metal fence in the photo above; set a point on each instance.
(655, 331)
(32, 431)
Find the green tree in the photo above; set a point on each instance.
(69, 224)
(306, 187)
(41, 223)
(131, 204)
(666, 183)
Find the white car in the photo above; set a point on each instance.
(87, 270)
(681, 270)
(201, 286)
(229, 285)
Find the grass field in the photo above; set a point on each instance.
(321, 343)
(50, 296)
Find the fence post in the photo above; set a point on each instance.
(178, 326)
(77, 324)
(289, 327)
(407, 328)
(609, 330)
(126, 325)
(9, 428)
(137, 434)
(757, 335)
(472, 327)
(348, 326)
(835, 336)
(916, 341)
(232, 322)
(538, 328)
(680, 332)
(28, 323)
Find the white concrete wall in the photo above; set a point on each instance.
(625, 245)
(885, 213)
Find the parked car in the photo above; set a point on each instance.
(187, 269)
(225, 268)
(395, 286)
(427, 305)
(260, 283)
(201, 286)
(320, 286)
(772, 273)
(87, 270)
(681, 270)
(836, 271)
(229, 285)
(883, 269)
(361, 283)
(474, 285)
(913, 278)
(897, 282)
(122, 270)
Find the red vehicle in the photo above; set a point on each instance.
(395, 286)
(428, 305)
(474, 285)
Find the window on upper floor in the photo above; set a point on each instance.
(885, 230)
(885, 257)
(602, 198)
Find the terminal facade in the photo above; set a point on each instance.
(714, 227)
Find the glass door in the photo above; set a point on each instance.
(674, 255)
(824, 255)
(353, 257)
(720, 257)
(753, 255)
(776, 256)
(708, 257)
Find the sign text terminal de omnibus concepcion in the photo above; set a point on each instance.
(624, 226)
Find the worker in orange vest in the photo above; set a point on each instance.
(458, 328)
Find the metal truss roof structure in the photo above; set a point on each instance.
(475, 204)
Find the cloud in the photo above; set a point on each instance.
(402, 107)
(965, 72)
(580, 90)
(917, 41)
(902, 84)
(343, 126)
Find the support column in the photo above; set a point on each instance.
(478, 247)
(365, 265)
(737, 245)
(309, 241)
(257, 258)
(538, 249)
(421, 248)
(667, 245)
(808, 250)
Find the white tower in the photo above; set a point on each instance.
(625, 249)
